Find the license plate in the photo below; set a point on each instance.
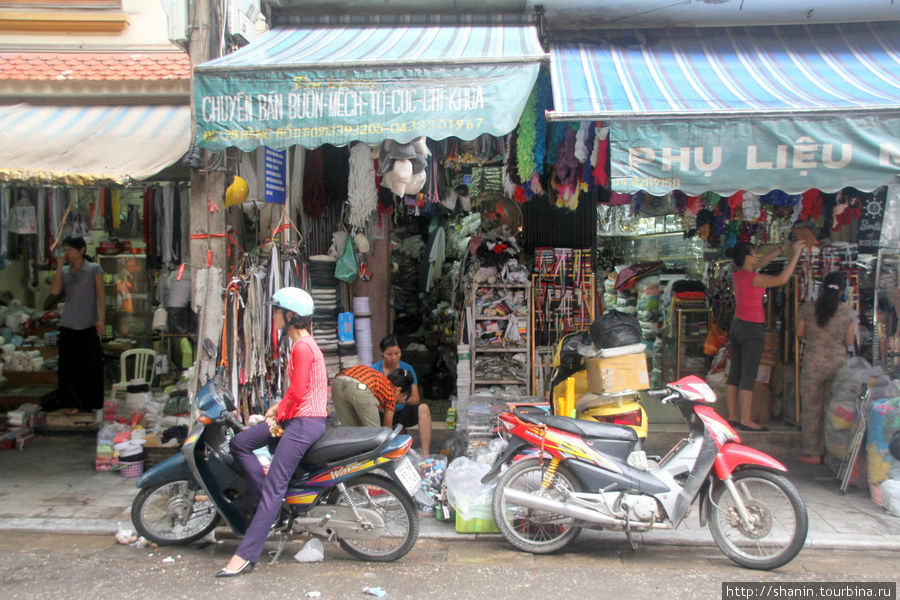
(408, 475)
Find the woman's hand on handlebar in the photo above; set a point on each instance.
(271, 415)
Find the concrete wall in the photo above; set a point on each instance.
(146, 29)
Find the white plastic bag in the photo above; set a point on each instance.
(465, 492)
(890, 496)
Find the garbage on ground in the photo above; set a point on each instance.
(374, 591)
(312, 551)
(431, 469)
(126, 536)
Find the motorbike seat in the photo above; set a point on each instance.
(340, 442)
(588, 429)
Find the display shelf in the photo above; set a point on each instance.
(686, 344)
(514, 350)
(493, 308)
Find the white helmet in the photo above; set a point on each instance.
(294, 299)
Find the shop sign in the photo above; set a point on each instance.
(275, 175)
(868, 229)
(279, 108)
(789, 154)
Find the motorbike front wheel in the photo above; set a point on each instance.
(401, 519)
(530, 529)
(778, 520)
(177, 512)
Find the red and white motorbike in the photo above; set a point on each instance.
(573, 474)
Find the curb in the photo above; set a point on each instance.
(854, 542)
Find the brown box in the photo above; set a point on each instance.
(618, 373)
(761, 410)
(17, 378)
(48, 351)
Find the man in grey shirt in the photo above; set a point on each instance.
(80, 328)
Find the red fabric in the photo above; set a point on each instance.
(689, 295)
(812, 205)
(844, 214)
(601, 174)
(748, 299)
(694, 204)
(735, 201)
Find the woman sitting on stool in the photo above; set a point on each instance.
(413, 412)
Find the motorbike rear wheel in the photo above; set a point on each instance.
(529, 529)
(176, 512)
(779, 519)
(401, 519)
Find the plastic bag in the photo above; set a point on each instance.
(467, 495)
(715, 339)
(347, 269)
(615, 329)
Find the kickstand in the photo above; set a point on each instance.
(275, 555)
(634, 545)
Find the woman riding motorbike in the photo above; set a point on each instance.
(301, 414)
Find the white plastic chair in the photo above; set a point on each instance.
(142, 365)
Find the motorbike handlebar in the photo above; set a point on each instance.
(231, 420)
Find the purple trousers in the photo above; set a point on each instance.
(299, 435)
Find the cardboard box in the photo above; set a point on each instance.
(618, 373)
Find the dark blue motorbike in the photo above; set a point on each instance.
(353, 486)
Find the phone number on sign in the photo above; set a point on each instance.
(422, 126)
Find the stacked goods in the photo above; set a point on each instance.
(883, 423)
(618, 369)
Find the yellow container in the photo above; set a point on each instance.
(475, 525)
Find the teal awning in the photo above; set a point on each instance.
(720, 109)
(336, 85)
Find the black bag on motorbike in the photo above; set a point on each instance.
(570, 361)
(615, 329)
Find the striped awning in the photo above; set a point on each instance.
(90, 145)
(722, 72)
(753, 108)
(338, 84)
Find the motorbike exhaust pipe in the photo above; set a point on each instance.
(563, 508)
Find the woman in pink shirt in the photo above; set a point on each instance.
(301, 414)
(746, 332)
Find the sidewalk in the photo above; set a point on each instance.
(51, 486)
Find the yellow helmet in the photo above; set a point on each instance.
(237, 192)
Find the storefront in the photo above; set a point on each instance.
(733, 134)
(314, 118)
(104, 174)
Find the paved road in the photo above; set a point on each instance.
(45, 566)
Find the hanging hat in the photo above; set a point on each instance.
(362, 243)
(237, 192)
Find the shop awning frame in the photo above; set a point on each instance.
(728, 72)
(91, 145)
(310, 86)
